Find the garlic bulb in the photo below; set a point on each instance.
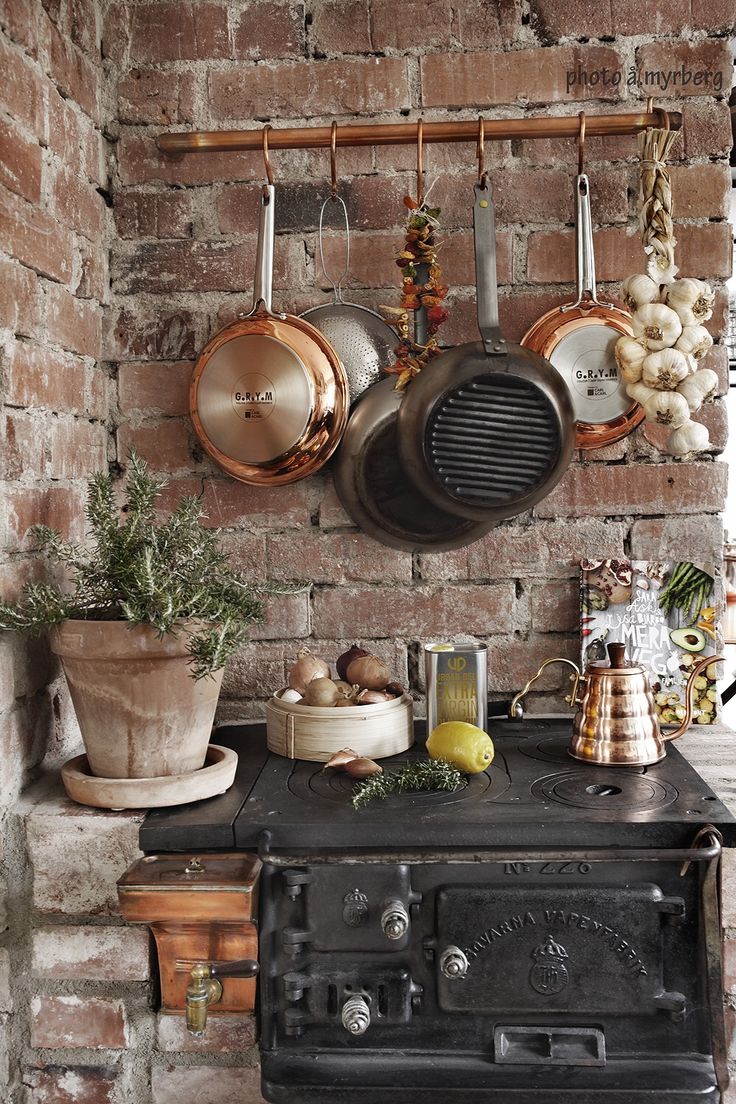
(638, 290)
(657, 325)
(660, 269)
(698, 388)
(695, 341)
(692, 299)
(640, 392)
(667, 408)
(690, 437)
(629, 355)
(665, 370)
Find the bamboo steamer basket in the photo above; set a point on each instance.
(315, 733)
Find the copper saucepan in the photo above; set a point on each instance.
(578, 339)
(269, 397)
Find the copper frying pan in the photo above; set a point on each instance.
(578, 339)
(269, 397)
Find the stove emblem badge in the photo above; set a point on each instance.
(355, 909)
(549, 974)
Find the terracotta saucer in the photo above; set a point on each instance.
(214, 777)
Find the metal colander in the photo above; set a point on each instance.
(363, 341)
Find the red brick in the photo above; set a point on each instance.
(417, 26)
(706, 128)
(702, 251)
(178, 32)
(77, 204)
(35, 238)
(63, 128)
(410, 611)
(700, 191)
(36, 376)
(156, 96)
(665, 60)
(512, 662)
(20, 166)
(24, 452)
(229, 1034)
(148, 333)
(561, 18)
(482, 26)
(712, 15)
(93, 154)
(528, 76)
(19, 304)
(268, 30)
(341, 27)
(140, 161)
(58, 1022)
(116, 30)
(246, 552)
(189, 265)
(76, 77)
(73, 1085)
(94, 279)
(153, 214)
(23, 84)
(73, 323)
(229, 504)
(19, 21)
(208, 1084)
(542, 549)
(348, 86)
(257, 669)
(76, 448)
(286, 617)
(94, 953)
(556, 606)
(519, 197)
(665, 538)
(61, 508)
(161, 388)
(637, 489)
(339, 558)
(84, 26)
(167, 446)
(717, 359)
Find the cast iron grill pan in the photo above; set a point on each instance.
(493, 440)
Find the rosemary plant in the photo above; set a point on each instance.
(135, 569)
(419, 774)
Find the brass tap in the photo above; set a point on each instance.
(203, 990)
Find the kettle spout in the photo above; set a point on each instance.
(699, 666)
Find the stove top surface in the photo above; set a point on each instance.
(534, 793)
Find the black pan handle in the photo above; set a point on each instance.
(484, 237)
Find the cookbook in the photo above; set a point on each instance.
(665, 612)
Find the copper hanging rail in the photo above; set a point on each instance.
(405, 134)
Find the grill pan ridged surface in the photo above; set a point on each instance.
(492, 440)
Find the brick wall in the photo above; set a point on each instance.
(92, 363)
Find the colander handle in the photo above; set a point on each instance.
(484, 237)
(336, 284)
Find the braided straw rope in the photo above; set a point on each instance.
(655, 198)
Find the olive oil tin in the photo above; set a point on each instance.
(457, 684)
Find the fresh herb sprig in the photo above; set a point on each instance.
(421, 774)
(688, 590)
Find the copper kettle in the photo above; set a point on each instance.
(617, 723)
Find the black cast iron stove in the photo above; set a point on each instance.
(548, 933)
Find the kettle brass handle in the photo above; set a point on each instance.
(516, 709)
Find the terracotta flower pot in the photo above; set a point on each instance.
(141, 713)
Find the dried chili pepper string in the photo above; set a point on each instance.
(420, 249)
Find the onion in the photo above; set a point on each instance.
(344, 661)
(344, 687)
(362, 768)
(395, 689)
(306, 668)
(321, 691)
(289, 695)
(370, 672)
(342, 703)
(339, 760)
(372, 697)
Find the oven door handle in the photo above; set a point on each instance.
(452, 855)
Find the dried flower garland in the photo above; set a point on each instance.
(421, 287)
(661, 363)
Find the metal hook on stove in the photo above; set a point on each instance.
(266, 158)
(420, 162)
(481, 150)
(581, 142)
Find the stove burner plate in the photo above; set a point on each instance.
(338, 786)
(607, 790)
(553, 749)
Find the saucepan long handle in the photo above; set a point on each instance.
(484, 237)
(263, 282)
(584, 252)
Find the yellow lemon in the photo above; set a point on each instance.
(464, 745)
